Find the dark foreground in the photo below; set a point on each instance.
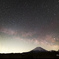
(32, 54)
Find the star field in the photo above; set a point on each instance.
(28, 24)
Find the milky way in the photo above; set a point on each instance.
(25, 25)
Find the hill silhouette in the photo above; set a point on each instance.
(36, 53)
(37, 49)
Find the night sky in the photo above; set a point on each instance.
(27, 24)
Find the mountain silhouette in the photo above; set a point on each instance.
(36, 53)
(39, 49)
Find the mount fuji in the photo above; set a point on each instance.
(39, 49)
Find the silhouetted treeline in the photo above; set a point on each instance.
(49, 54)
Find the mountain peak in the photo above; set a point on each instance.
(39, 49)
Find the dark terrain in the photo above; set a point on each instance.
(35, 53)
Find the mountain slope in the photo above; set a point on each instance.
(39, 49)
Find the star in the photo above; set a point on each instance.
(54, 14)
(54, 38)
